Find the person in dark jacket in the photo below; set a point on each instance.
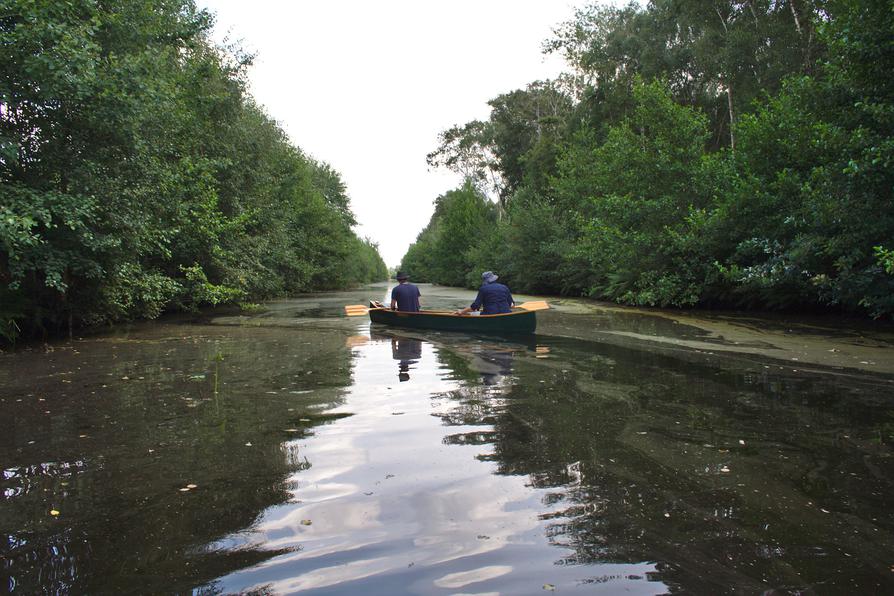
(492, 298)
(405, 296)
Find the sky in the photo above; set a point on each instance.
(367, 86)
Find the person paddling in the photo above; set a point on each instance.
(405, 296)
(493, 297)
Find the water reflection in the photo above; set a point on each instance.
(494, 365)
(282, 460)
(407, 351)
(724, 477)
(124, 456)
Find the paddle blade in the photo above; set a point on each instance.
(355, 310)
(536, 305)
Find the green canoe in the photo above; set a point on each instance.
(517, 321)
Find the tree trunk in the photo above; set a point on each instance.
(791, 4)
(732, 117)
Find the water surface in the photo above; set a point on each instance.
(297, 450)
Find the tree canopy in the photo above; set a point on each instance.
(723, 153)
(137, 175)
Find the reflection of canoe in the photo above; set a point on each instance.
(519, 321)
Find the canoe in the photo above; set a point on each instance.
(517, 321)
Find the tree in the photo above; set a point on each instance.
(137, 175)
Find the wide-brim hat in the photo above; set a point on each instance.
(489, 276)
(401, 275)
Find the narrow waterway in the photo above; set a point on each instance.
(299, 450)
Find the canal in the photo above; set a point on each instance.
(294, 449)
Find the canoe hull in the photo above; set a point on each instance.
(515, 322)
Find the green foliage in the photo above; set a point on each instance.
(734, 155)
(643, 203)
(137, 176)
(197, 290)
(441, 253)
(885, 259)
(131, 292)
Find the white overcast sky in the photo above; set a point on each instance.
(366, 86)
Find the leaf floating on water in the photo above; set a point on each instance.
(306, 522)
(54, 512)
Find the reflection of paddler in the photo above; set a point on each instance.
(407, 351)
(493, 365)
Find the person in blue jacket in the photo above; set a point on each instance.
(405, 296)
(492, 298)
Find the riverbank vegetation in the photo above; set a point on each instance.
(728, 153)
(138, 176)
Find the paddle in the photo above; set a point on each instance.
(354, 310)
(534, 305)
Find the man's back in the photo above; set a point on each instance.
(407, 297)
(495, 298)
